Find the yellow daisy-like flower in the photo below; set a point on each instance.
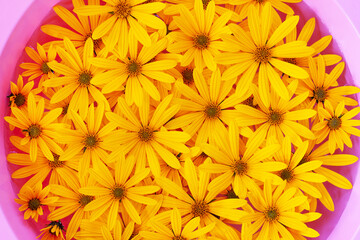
(77, 78)
(32, 199)
(71, 202)
(135, 71)
(82, 28)
(260, 51)
(54, 231)
(199, 34)
(60, 171)
(338, 125)
(127, 16)
(320, 45)
(40, 130)
(300, 176)
(117, 190)
(40, 67)
(207, 111)
(321, 86)
(275, 213)
(279, 5)
(176, 231)
(201, 202)
(144, 138)
(278, 119)
(238, 165)
(87, 139)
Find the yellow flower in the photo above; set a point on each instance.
(87, 139)
(238, 165)
(275, 213)
(143, 137)
(278, 119)
(60, 171)
(40, 67)
(323, 87)
(81, 29)
(198, 35)
(338, 125)
(259, 50)
(54, 231)
(299, 176)
(127, 16)
(39, 130)
(117, 190)
(200, 202)
(32, 199)
(78, 74)
(71, 202)
(279, 5)
(176, 231)
(207, 111)
(134, 71)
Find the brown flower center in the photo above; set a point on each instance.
(123, 9)
(271, 214)
(188, 76)
(85, 199)
(34, 131)
(145, 134)
(34, 204)
(85, 78)
(212, 111)
(56, 163)
(320, 94)
(205, 3)
(275, 117)
(240, 167)
(133, 68)
(287, 174)
(91, 141)
(199, 208)
(65, 110)
(334, 123)
(45, 68)
(19, 99)
(118, 192)
(262, 54)
(201, 41)
(178, 238)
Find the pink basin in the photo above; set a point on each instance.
(19, 19)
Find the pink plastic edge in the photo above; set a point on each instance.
(346, 37)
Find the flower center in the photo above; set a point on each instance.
(205, 3)
(118, 192)
(145, 134)
(287, 175)
(133, 68)
(188, 76)
(290, 60)
(123, 9)
(212, 111)
(34, 131)
(45, 68)
(199, 209)
(19, 100)
(34, 204)
(275, 117)
(240, 167)
(178, 238)
(320, 94)
(334, 123)
(201, 41)
(91, 141)
(84, 78)
(271, 214)
(65, 110)
(262, 54)
(55, 228)
(85, 199)
(56, 163)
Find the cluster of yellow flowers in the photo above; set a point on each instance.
(179, 120)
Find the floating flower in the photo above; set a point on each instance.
(54, 231)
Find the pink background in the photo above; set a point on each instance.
(342, 20)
